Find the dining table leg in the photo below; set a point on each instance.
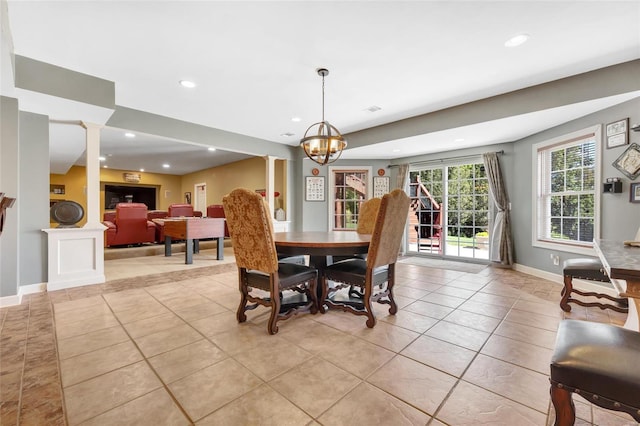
(319, 263)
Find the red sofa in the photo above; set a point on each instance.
(216, 210)
(129, 226)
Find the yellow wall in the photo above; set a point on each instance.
(220, 181)
(74, 183)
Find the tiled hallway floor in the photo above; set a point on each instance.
(162, 347)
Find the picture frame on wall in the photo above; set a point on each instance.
(314, 188)
(187, 197)
(380, 186)
(629, 162)
(618, 133)
(634, 193)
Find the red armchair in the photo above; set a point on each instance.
(177, 210)
(216, 210)
(130, 226)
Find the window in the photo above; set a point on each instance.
(350, 189)
(566, 178)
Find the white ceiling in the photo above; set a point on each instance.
(254, 62)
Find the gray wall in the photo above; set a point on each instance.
(9, 161)
(314, 215)
(619, 218)
(34, 192)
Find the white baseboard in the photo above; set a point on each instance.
(10, 301)
(22, 290)
(582, 285)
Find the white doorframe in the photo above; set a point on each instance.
(200, 197)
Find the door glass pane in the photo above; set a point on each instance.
(350, 189)
(424, 232)
(467, 212)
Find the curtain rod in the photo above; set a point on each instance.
(442, 160)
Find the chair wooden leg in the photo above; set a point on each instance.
(240, 314)
(566, 293)
(371, 318)
(390, 283)
(563, 405)
(272, 326)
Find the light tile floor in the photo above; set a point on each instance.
(159, 344)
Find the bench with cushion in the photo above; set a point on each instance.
(587, 269)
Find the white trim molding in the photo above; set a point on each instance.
(22, 291)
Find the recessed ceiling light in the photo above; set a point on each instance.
(295, 119)
(102, 158)
(396, 150)
(166, 166)
(142, 170)
(130, 135)
(373, 108)
(187, 83)
(287, 135)
(517, 40)
(459, 140)
(211, 148)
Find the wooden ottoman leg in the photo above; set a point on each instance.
(566, 293)
(563, 404)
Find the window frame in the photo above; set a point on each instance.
(538, 182)
(332, 197)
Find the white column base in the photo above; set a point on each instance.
(76, 257)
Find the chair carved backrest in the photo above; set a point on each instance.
(251, 230)
(367, 216)
(389, 229)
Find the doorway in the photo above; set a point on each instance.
(449, 213)
(200, 200)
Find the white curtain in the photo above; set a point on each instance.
(403, 175)
(501, 239)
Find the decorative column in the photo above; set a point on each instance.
(93, 174)
(270, 183)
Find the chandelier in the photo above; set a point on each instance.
(322, 142)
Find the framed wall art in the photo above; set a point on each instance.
(634, 193)
(380, 186)
(618, 133)
(629, 162)
(314, 188)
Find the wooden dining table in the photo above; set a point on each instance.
(321, 247)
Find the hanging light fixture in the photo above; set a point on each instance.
(322, 142)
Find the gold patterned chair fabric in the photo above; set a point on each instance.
(367, 215)
(254, 248)
(371, 275)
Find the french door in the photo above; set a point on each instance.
(449, 214)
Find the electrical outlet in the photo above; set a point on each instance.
(556, 260)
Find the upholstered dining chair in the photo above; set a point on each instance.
(367, 215)
(254, 248)
(371, 275)
(366, 221)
